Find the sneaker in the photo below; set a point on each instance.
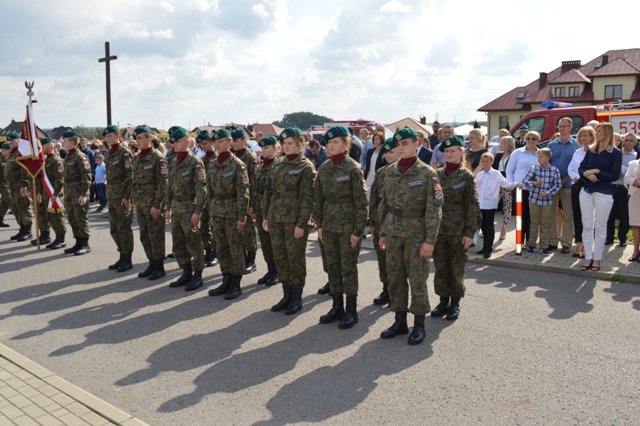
(531, 250)
(544, 252)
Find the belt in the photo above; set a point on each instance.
(408, 214)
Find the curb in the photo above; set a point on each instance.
(93, 403)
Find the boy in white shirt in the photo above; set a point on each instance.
(489, 181)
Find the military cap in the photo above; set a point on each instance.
(202, 135)
(222, 134)
(388, 145)
(237, 134)
(289, 132)
(178, 133)
(45, 140)
(268, 140)
(523, 128)
(455, 140)
(111, 128)
(70, 134)
(13, 135)
(140, 130)
(336, 132)
(172, 128)
(405, 133)
(6, 145)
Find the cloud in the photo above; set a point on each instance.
(395, 6)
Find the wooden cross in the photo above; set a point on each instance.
(107, 58)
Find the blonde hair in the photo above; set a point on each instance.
(478, 133)
(545, 151)
(608, 138)
(532, 133)
(589, 130)
(509, 143)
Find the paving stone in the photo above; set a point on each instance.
(62, 399)
(43, 401)
(19, 401)
(49, 420)
(11, 411)
(72, 420)
(28, 391)
(34, 411)
(94, 419)
(25, 421)
(77, 408)
(35, 382)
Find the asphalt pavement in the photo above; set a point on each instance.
(537, 342)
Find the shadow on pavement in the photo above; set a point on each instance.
(623, 292)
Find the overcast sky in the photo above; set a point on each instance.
(189, 62)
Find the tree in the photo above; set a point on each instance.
(476, 125)
(302, 120)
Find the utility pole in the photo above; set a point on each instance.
(107, 59)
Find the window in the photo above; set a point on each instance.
(503, 122)
(521, 94)
(613, 91)
(559, 92)
(534, 123)
(574, 91)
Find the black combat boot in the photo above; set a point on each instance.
(250, 262)
(295, 304)
(74, 247)
(336, 312)
(265, 277)
(196, 282)
(210, 257)
(234, 288)
(383, 297)
(417, 334)
(442, 308)
(20, 232)
(286, 298)
(157, 271)
(397, 328)
(45, 238)
(222, 288)
(274, 278)
(57, 243)
(3, 224)
(146, 272)
(26, 234)
(454, 309)
(350, 317)
(117, 264)
(126, 264)
(83, 248)
(324, 289)
(185, 278)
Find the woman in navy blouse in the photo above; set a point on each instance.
(600, 167)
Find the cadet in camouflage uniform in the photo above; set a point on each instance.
(54, 218)
(150, 172)
(390, 156)
(287, 203)
(461, 219)
(250, 160)
(77, 179)
(410, 216)
(5, 194)
(20, 186)
(270, 148)
(341, 215)
(228, 184)
(205, 140)
(119, 181)
(186, 196)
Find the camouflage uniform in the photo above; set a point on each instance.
(374, 221)
(410, 216)
(205, 227)
(77, 179)
(460, 217)
(262, 176)
(341, 211)
(186, 194)
(119, 182)
(5, 193)
(16, 178)
(248, 235)
(287, 203)
(228, 185)
(54, 168)
(148, 190)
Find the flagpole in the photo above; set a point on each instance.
(34, 196)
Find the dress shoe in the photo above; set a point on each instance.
(565, 249)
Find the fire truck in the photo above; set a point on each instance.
(625, 118)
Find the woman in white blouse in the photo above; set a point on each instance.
(632, 180)
(586, 136)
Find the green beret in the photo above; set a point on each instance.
(172, 128)
(405, 133)
(454, 140)
(6, 145)
(140, 130)
(222, 134)
(289, 132)
(336, 132)
(203, 135)
(268, 140)
(70, 134)
(45, 140)
(388, 145)
(13, 135)
(177, 133)
(111, 128)
(237, 134)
